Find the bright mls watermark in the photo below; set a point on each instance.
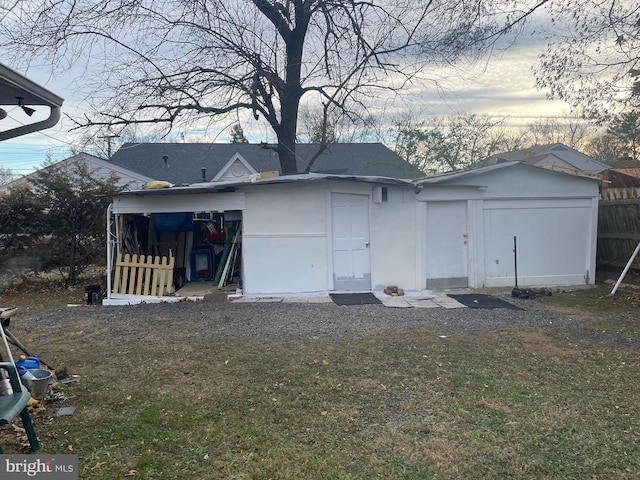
(49, 467)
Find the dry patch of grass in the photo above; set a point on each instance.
(540, 343)
(605, 312)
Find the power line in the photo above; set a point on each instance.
(109, 141)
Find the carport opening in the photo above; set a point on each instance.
(205, 246)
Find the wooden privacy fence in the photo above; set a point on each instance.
(143, 275)
(618, 231)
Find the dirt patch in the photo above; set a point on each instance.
(539, 343)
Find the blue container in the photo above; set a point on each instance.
(201, 264)
(27, 363)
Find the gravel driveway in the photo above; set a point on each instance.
(322, 322)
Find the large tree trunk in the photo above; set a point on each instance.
(286, 133)
(292, 91)
(287, 155)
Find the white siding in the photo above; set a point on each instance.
(236, 172)
(287, 241)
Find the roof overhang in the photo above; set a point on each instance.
(226, 187)
(13, 87)
(450, 178)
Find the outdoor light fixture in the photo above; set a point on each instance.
(27, 110)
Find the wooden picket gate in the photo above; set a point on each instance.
(143, 275)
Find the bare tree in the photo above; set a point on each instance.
(605, 147)
(6, 176)
(317, 127)
(178, 62)
(570, 131)
(593, 57)
(336, 126)
(620, 140)
(456, 142)
(103, 142)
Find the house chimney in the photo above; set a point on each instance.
(204, 174)
(166, 161)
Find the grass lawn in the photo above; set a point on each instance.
(524, 403)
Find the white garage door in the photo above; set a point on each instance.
(553, 242)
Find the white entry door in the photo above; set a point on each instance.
(350, 227)
(447, 241)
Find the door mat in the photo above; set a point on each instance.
(476, 300)
(354, 298)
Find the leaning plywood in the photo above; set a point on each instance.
(143, 275)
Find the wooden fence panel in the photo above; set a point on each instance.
(143, 275)
(618, 232)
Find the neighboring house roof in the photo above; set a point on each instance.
(623, 163)
(554, 156)
(16, 89)
(99, 169)
(632, 172)
(188, 163)
(622, 177)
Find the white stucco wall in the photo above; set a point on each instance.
(284, 240)
(287, 238)
(395, 241)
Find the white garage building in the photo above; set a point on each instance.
(472, 218)
(317, 233)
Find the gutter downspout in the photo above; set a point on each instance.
(54, 117)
